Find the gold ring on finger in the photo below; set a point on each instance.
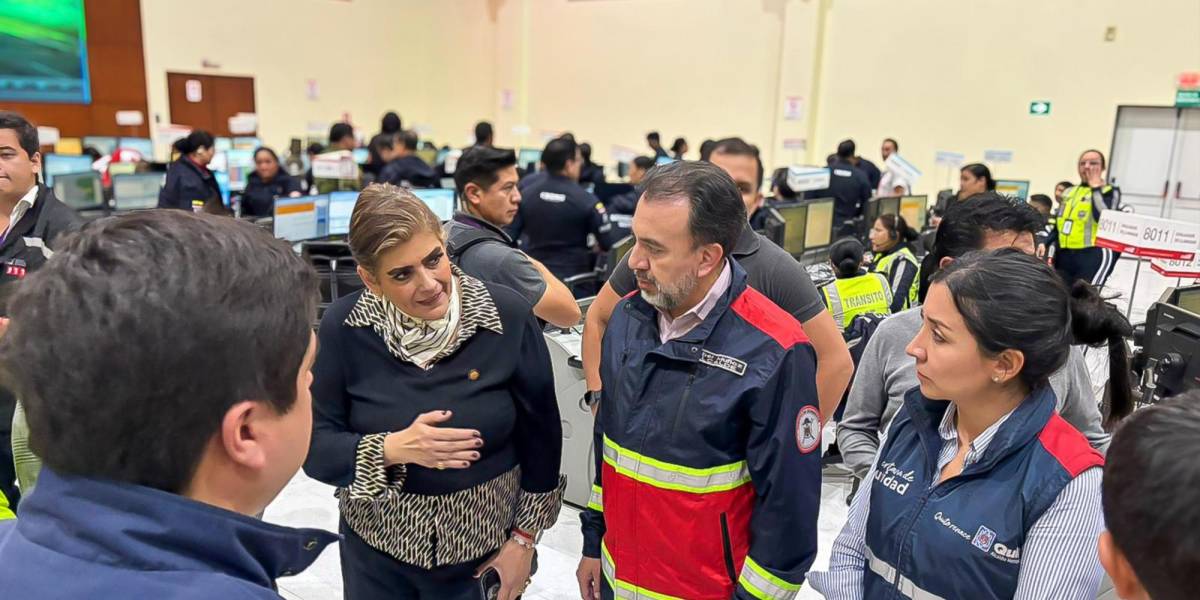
(441, 465)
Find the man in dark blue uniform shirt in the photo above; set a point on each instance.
(556, 214)
(848, 186)
(407, 167)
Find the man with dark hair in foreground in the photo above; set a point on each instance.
(1150, 549)
(169, 402)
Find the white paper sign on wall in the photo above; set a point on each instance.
(1150, 237)
(130, 118)
(793, 108)
(243, 124)
(193, 90)
(998, 156)
(48, 136)
(795, 144)
(944, 158)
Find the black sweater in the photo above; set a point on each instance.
(360, 388)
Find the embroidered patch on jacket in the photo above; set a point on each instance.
(727, 363)
(984, 538)
(808, 429)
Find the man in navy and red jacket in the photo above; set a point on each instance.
(708, 436)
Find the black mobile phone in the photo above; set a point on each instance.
(489, 584)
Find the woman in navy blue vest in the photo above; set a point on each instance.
(981, 490)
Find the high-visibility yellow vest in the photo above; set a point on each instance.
(1076, 221)
(5, 511)
(884, 267)
(853, 296)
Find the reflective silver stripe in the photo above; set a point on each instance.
(763, 587)
(835, 302)
(889, 574)
(596, 501)
(887, 289)
(1089, 221)
(701, 481)
(33, 242)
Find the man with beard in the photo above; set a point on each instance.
(707, 437)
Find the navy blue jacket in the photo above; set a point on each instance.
(708, 451)
(258, 199)
(409, 169)
(360, 388)
(849, 187)
(87, 538)
(962, 537)
(187, 183)
(553, 222)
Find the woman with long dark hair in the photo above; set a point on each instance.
(891, 240)
(190, 185)
(981, 490)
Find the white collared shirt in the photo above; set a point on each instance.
(20, 208)
(672, 329)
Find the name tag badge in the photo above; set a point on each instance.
(15, 268)
(725, 363)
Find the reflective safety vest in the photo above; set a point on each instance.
(853, 296)
(1077, 217)
(5, 511)
(884, 266)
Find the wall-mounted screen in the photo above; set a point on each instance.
(43, 51)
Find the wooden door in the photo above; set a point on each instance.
(207, 101)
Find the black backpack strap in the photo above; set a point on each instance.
(462, 243)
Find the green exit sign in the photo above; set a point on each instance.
(1187, 98)
(1039, 107)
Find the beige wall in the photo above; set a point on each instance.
(935, 74)
(367, 56)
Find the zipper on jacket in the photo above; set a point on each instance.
(727, 548)
(687, 392)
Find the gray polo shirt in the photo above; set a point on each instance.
(885, 373)
(492, 256)
(769, 269)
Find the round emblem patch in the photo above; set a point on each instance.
(808, 429)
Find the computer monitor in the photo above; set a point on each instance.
(239, 164)
(871, 211)
(341, 205)
(79, 190)
(818, 232)
(622, 170)
(102, 143)
(429, 155)
(222, 144)
(1017, 188)
(914, 209)
(144, 146)
(440, 201)
(296, 218)
(250, 143)
(441, 156)
(528, 158)
(136, 190)
(361, 156)
(621, 248)
(795, 228)
(63, 164)
(888, 205)
(1188, 298)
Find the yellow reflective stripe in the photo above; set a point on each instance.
(762, 584)
(596, 501)
(674, 477)
(5, 512)
(624, 589)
